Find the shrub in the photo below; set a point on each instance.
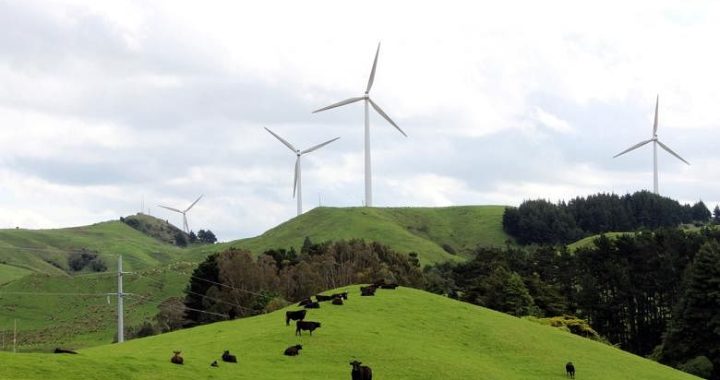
(699, 366)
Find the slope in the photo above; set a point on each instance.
(46, 251)
(401, 334)
(433, 233)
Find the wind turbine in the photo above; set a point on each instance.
(655, 142)
(186, 228)
(297, 184)
(368, 102)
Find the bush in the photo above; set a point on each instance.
(571, 324)
(449, 249)
(699, 366)
(84, 258)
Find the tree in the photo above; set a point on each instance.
(192, 237)
(700, 212)
(207, 237)
(181, 239)
(716, 214)
(695, 329)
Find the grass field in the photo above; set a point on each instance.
(46, 251)
(34, 261)
(82, 315)
(401, 334)
(421, 230)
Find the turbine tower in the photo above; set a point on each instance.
(368, 102)
(297, 184)
(655, 142)
(186, 228)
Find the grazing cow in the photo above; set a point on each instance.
(367, 290)
(176, 359)
(343, 295)
(389, 286)
(313, 305)
(322, 298)
(298, 315)
(337, 301)
(293, 350)
(214, 364)
(64, 351)
(570, 370)
(305, 302)
(360, 372)
(226, 357)
(306, 325)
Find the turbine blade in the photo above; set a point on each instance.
(316, 147)
(170, 208)
(193, 204)
(383, 114)
(287, 144)
(632, 148)
(295, 179)
(671, 152)
(338, 104)
(655, 125)
(372, 73)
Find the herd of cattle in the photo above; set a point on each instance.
(359, 372)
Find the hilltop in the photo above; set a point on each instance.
(401, 334)
(47, 251)
(435, 233)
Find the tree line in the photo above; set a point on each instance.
(543, 222)
(234, 283)
(652, 293)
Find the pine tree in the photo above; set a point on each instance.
(716, 214)
(695, 330)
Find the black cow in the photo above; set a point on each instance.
(64, 351)
(367, 290)
(322, 298)
(305, 302)
(337, 301)
(306, 325)
(214, 364)
(293, 350)
(176, 359)
(570, 370)
(389, 286)
(343, 295)
(360, 372)
(226, 357)
(298, 315)
(313, 305)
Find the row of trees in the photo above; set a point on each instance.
(233, 283)
(653, 293)
(543, 222)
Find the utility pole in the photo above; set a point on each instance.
(120, 295)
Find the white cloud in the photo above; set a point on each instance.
(105, 103)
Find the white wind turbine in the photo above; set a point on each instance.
(186, 228)
(297, 183)
(368, 102)
(655, 142)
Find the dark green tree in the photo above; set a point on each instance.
(207, 237)
(700, 212)
(695, 329)
(192, 238)
(716, 214)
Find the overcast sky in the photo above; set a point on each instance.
(106, 104)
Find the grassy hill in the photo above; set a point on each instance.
(46, 251)
(81, 314)
(401, 334)
(431, 232)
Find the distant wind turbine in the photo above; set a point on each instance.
(297, 183)
(186, 228)
(368, 102)
(655, 142)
